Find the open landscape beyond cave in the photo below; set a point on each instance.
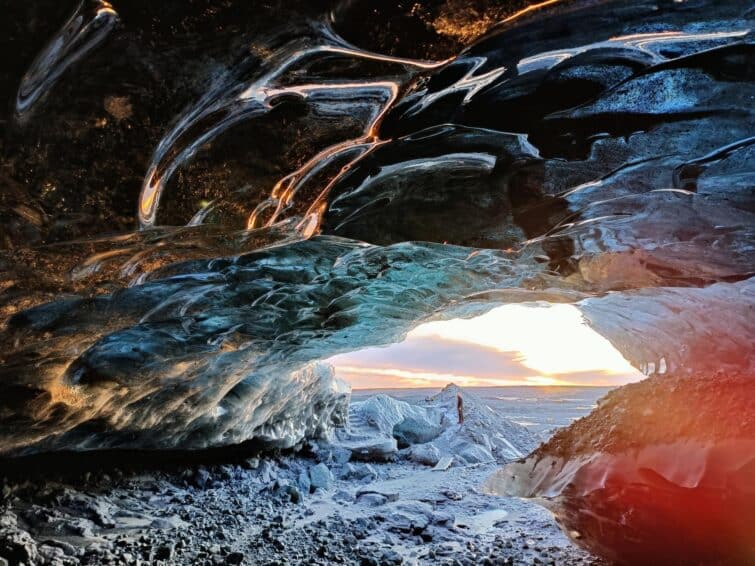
(457, 282)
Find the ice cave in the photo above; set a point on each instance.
(222, 221)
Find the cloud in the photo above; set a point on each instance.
(439, 356)
(433, 361)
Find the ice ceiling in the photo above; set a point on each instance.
(203, 201)
(301, 195)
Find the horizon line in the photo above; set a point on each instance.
(484, 387)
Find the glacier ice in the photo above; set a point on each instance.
(177, 361)
(611, 170)
(664, 460)
(306, 197)
(381, 425)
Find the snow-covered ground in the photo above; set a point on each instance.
(319, 505)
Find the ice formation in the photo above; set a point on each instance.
(661, 472)
(303, 196)
(381, 425)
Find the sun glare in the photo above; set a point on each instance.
(529, 344)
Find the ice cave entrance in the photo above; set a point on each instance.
(519, 345)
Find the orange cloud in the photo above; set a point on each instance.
(510, 345)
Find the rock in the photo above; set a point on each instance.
(51, 554)
(320, 476)
(304, 482)
(234, 558)
(284, 487)
(340, 455)
(361, 472)
(79, 527)
(370, 449)
(452, 495)
(411, 516)
(267, 471)
(164, 552)
(426, 454)
(347, 472)
(18, 546)
(372, 499)
(201, 477)
(391, 557)
(165, 523)
(389, 496)
(8, 520)
(443, 464)
(474, 454)
(332, 454)
(343, 495)
(407, 523)
(443, 519)
(68, 549)
(96, 509)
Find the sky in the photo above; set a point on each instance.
(510, 345)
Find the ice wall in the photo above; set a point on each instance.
(309, 197)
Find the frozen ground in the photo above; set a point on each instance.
(308, 507)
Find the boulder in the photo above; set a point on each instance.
(320, 476)
(426, 454)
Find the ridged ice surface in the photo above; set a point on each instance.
(301, 195)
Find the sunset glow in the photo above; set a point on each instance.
(538, 344)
